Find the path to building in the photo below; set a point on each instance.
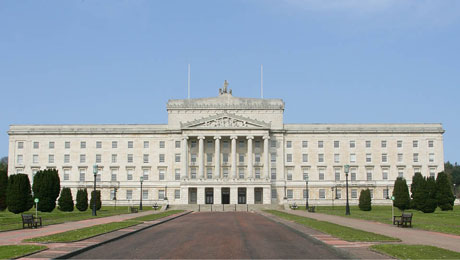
(16, 236)
(407, 235)
(216, 235)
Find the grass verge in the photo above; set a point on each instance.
(345, 233)
(83, 233)
(158, 215)
(14, 251)
(402, 251)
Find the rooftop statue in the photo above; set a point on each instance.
(224, 90)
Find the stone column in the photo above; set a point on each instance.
(217, 156)
(217, 195)
(250, 161)
(233, 156)
(201, 157)
(266, 157)
(184, 173)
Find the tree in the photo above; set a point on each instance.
(415, 189)
(95, 195)
(46, 187)
(365, 200)
(18, 194)
(3, 187)
(429, 203)
(65, 201)
(401, 194)
(4, 164)
(82, 199)
(444, 195)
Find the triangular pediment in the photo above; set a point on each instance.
(226, 121)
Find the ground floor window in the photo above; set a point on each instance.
(274, 195)
(129, 194)
(290, 194)
(161, 194)
(176, 194)
(354, 193)
(322, 193)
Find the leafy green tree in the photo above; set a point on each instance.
(444, 195)
(4, 164)
(365, 200)
(401, 194)
(46, 187)
(3, 187)
(415, 188)
(429, 203)
(65, 201)
(82, 199)
(18, 194)
(96, 195)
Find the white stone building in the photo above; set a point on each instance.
(229, 150)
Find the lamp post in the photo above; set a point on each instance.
(388, 193)
(140, 203)
(306, 190)
(332, 197)
(95, 170)
(347, 208)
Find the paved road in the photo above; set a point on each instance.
(215, 235)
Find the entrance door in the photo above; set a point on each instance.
(191, 195)
(209, 195)
(225, 195)
(258, 195)
(241, 195)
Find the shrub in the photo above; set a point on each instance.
(365, 200)
(18, 194)
(429, 204)
(444, 195)
(415, 189)
(46, 188)
(82, 200)
(3, 187)
(65, 201)
(401, 194)
(95, 195)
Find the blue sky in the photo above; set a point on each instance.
(338, 61)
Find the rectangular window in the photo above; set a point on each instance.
(130, 158)
(400, 173)
(368, 144)
(400, 157)
(130, 144)
(177, 157)
(305, 174)
(399, 143)
(415, 157)
(372, 193)
(320, 144)
(83, 145)
(337, 175)
(289, 157)
(241, 158)
(289, 174)
(257, 170)
(368, 157)
(82, 158)
(274, 195)
(35, 158)
(225, 172)
(20, 159)
(208, 173)
(241, 173)
(82, 174)
(225, 157)
(336, 158)
(338, 194)
(146, 158)
(36, 145)
(51, 158)
(51, 145)
(193, 173)
(273, 157)
(146, 174)
(322, 193)
(288, 144)
(129, 173)
(432, 172)
(336, 144)
(385, 194)
(129, 194)
(415, 143)
(430, 144)
(162, 144)
(304, 157)
(321, 174)
(20, 145)
(321, 157)
(352, 144)
(369, 175)
(385, 175)
(353, 175)
(273, 173)
(289, 194)
(225, 144)
(114, 144)
(431, 157)
(354, 193)
(177, 144)
(161, 174)
(98, 144)
(257, 157)
(304, 144)
(257, 144)
(273, 143)
(384, 144)
(162, 158)
(113, 174)
(209, 157)
(193, 158)
(66, 158)
(146, 144)
(177, 174)
(193, 144)
(241, 144)
(66, 174)
(98, 158)
(209, 142)
(384, 157)
(352, 158)
(304, 193)
(114, 158)
(176, 194)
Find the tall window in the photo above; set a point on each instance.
(430, 144)
(384, 157)
(400, 173)
(177, 157)
(322, 193)
(35, 158)
(20, 159)
(209, 173)
(273, 173)
(336, 158)
(129, 194)
(241, 158)
(129, 173)
(289, 174)
(82, 158)
(431, 157)
(415, 144)
(162, 144)
(305, 174)
(177, 144)
(257, 157)
(113, 174)
(400, 157)
(20, 145)
(225, 157)
(146, 158)
(385, 193)
(289, 194)
(114, 158)
(353, 174)
(257, 171)
(241, 173)
(273, 157)
(368, 157)
(289, 157)
(321, 174)
(162, 158)
(98, 158)
(273, 143)
(82, 174)
(209, 157)
(304, 157)
(415, 157)
(337, 175)
(385, 174)
(369, 175)
(130, 158)
(98, 144)
(384, 144)
(193, 158)
(354, 193)
(146, 174)
(399, 143)
(193, 173)
(177, 174)
(145, 194)
(352, 157)
(66, 174)
(241, 144)
(130, 144)
(161, 174)
(176, 194)
(51, 158)
(225, 172)
(321, 157)
(274, 194)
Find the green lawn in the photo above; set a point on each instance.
(10, 221)
(345, 233)
(14, 251)
(441, 221)
(402, 251)
(83, 233)
(158, 215)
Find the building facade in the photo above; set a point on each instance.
(229, 150)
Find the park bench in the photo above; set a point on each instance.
(133, 209)
(311, 209)
(294, 206)
(31, 221)
(405, 220)
(155, 206)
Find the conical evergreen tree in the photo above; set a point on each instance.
(444, 195)
(401, 194)
(18, 194)
(82, 200)
(365, 200)
(3, 187)
(46, 188)
(95, 195)
(65, 201)
(429, 203)
(417, 182)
